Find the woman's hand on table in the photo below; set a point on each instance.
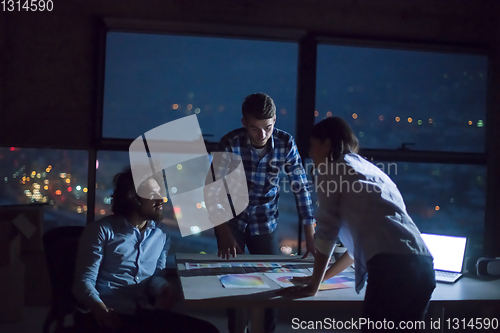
(301, 280)
(299, 291)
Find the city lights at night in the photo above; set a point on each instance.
(438, 104)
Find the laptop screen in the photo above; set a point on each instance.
(448, 251)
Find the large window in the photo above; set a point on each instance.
(423, 101)
(443, 198)
(435, 101)
(420, 101)
(154, 79)
(57, 178)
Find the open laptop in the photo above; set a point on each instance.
(448, 253)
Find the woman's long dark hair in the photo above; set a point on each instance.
(341, 136)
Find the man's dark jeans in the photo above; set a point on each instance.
(257, 244)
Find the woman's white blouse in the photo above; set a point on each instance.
(362, 206)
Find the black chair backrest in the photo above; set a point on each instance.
(61, 246)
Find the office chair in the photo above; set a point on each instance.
(61, 245)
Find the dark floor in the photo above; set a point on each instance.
(34, 317)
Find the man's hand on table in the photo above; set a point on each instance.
(226, 243)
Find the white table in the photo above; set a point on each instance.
(203, 291)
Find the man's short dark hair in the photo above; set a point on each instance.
(259, 105)
(125, 199)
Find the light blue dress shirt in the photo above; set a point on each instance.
(120, 265)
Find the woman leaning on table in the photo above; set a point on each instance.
(360, 204)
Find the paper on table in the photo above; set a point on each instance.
(271, 265)
(262, 264)
(190, 265)
(348, 270)
(285, 270)
(283, 279)
(339, 281)
(242, 281)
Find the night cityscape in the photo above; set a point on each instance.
(435, 101)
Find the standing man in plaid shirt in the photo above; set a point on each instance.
(265, 151)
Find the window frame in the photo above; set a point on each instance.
(405, 154)
(308, 42)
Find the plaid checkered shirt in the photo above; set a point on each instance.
(262, 176)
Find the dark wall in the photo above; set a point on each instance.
(48, 77)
